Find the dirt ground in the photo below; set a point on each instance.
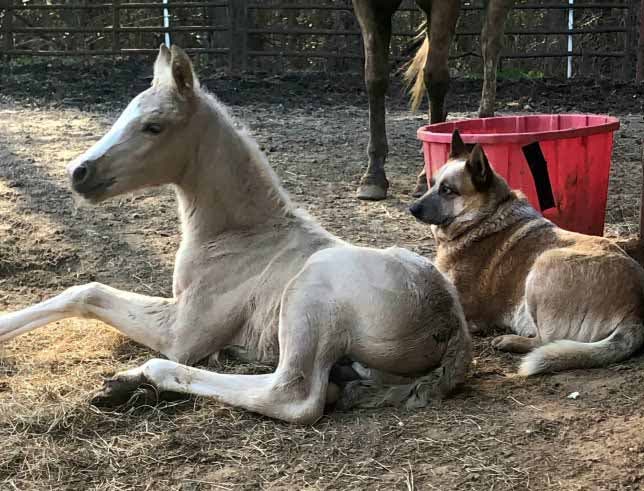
(499, 433)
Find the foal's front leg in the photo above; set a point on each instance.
(311, 340)
(146, 320)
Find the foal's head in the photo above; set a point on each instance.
(151, 142)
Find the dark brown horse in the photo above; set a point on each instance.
(430, 66)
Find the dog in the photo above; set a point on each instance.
(572, 300)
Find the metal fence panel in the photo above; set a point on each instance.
(282, 35)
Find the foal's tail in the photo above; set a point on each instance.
(565, 354)
(437, 384)
(415, 73)
(449, 376)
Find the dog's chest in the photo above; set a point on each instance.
(490, 291)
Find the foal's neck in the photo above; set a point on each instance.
(228, 183)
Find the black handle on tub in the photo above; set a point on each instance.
(539, 169)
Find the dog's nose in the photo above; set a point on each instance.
(82, 173)
(416, 209)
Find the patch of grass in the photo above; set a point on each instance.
(519, 74)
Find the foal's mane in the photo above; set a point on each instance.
(262, 173)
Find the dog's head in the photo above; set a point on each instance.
(463, 192)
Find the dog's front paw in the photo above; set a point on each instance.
(123, 389)
(514, 343)
(503, 343)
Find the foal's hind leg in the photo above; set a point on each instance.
(147, 320)
(310, 343)
(491, 40)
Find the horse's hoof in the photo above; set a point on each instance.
(371, 192)
(421, 189)
(119, 390)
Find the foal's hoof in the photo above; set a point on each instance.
(119, 390)
(421, 188)
(371, 192)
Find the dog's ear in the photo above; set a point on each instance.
(458, 147)
(479, 168)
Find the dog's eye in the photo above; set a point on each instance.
(153, 128)
(445, 189)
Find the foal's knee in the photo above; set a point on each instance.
(300, 399)
(82, 296)
(306, 412)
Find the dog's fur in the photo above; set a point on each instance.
(573, 300)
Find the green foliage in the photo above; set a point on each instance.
(519, 74)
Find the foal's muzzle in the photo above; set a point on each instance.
(82, 174)
(84, 179)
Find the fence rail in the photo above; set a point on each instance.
(238, 32)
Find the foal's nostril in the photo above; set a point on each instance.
(80, 174)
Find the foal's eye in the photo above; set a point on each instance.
(152, 128)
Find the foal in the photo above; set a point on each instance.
(252, 271)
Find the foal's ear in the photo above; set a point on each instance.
(479, 168)
(162, 66)
(458, 147)
(185, 80)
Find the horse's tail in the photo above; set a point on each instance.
(565, 354)
(415, 72)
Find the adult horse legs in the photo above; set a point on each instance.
(375, 24)
(441, 24)
(491, 40)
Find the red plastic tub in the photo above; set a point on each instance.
(576, 148)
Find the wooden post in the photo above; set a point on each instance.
(639, 75)
(629, 40)
(116, 25)
(7, 27)
(238, 37)
(641, 230)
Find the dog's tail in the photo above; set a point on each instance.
(415, 73)
(565, 354)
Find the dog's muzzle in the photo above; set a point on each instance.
(417, 210)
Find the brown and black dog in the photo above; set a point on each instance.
(573, 300)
